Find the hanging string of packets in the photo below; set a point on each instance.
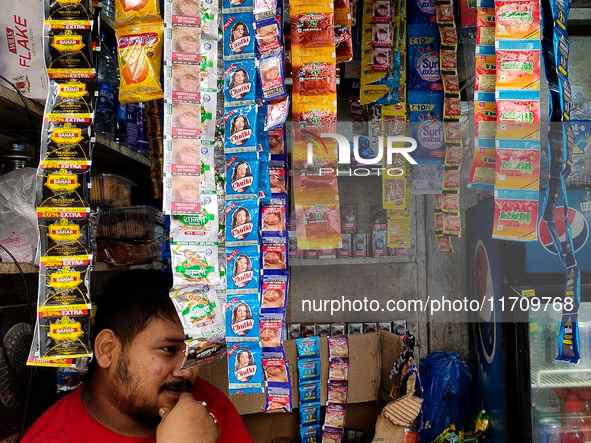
(66, 226)
(517, 167)
(396, 189)
(314, 112)
(255, 110)
(555, 45)
(447, 205)
(482, 172)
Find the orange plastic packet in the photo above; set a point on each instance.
(517, 19)
(485, 31)
(127, 10)
(517, 168)
(516, 219)
(518, 69)
(518, 119)
(139, 51)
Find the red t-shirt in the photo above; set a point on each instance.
(68, 421)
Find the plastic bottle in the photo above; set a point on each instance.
(131, 122)
(573, 422)
(585, 397)
(143, 146)
(109, 8)
(107, 88)
(120, 123)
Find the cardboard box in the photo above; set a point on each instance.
(371, 357)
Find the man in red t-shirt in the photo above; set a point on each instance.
(135, 391)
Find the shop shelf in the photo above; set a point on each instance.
(549, 376)
(107, 156)
(350, 260)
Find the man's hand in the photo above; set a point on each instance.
(187, 422)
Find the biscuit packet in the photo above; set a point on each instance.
(242, 318)
(194, 263)
(68, 52)
(309, 370)
(274, 292)
(338, 346)
(309, 392)
(274, 255)
(339, 368)
(337, 392)
(310, 414)
(310, 434)
(128, 10)
(139, 51)
(274, 217)
(271, 326)
(245, 368)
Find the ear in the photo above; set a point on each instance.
(106, 348)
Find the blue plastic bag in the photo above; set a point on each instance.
(447, 392)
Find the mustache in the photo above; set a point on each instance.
(177, 385)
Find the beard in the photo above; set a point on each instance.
(134, 400)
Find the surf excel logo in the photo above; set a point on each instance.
(394, 145)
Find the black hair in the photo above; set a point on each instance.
(130, 300)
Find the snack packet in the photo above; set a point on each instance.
(139, 49)
(127, 10)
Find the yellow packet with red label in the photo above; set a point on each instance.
(139, 51)
(127, 10)
(318, 224)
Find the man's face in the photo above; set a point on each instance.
(147, 375)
